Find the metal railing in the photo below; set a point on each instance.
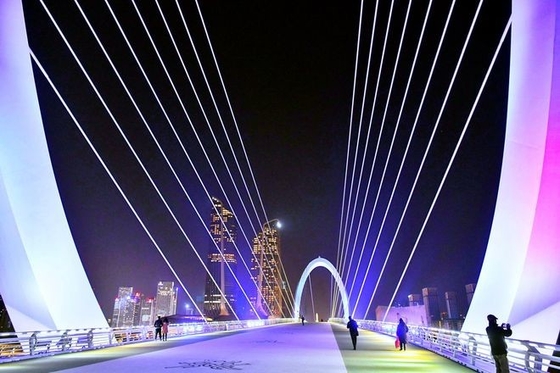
(33, 344)
(473, 350)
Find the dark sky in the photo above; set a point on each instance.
(288, 68)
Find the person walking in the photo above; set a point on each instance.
(402, 330)
(158, 324)
(165, 328)
(352, 326)
(498, 347)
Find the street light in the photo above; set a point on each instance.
(277, 225)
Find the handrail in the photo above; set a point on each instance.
(33, 344)
(471, 349)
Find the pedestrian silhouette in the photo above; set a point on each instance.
(402, 330)
(498, 347)
(352, 326)
(158, 324)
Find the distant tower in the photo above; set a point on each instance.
(431, 303)
(166, 299)
(266, 271)
(145, 310)
(223, 229)
(123, 311)
(470, 288)
(414, 300)
(451, 303)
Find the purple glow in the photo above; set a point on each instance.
(520, 271)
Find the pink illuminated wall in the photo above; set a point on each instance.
(520, 275)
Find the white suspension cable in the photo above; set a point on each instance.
(388, 153)
(459, 142)
(117, 185)
(237, 131)
(131, 148)
(184, 151)
(436, 126)
(219, 115)
(442, 38)
(371, 117)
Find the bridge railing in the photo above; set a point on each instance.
(473, 350)
(33, 344)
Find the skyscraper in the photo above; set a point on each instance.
(451, 304)
(470, 288)
(266, 272)
(431, 303)
(145, 310)
(166, 299)
(123, 310)
(222, 263)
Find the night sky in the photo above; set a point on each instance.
(288, 68)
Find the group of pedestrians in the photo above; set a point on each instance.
(402, 330)
(162, 328)
(496, 336)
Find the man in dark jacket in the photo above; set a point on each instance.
(498, 346)
(352, 326)
(158, 324)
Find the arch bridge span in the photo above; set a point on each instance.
(321, 262)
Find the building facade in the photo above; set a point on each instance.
(221, 263)
(266, 272)
(166, 299)
(124, 308)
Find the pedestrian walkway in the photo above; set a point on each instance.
(285, 348)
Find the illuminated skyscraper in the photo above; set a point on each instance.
(145, 309)
(123, 311)
(266, 272)
(221, 255)
(166, 299)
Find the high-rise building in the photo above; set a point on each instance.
(431, 303)
(451, 304)
(222, 263)
(145, 310)
(266, 272)
(166, 299)
(124, 308)
(414, 299)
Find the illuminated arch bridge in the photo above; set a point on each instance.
(316, 263)
(527, 213)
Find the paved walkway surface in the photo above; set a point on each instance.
(289, 348)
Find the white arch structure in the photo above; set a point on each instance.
(43, 283)
(520, 272)
(321, 262)
(42, 280)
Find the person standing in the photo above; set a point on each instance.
(302, 320)
(498, 347)
(158, 324)
(165, 328)
(352, 326)
(402, 330)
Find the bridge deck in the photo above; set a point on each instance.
(290, 348)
